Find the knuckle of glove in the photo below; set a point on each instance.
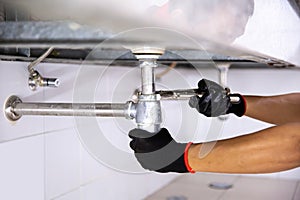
(202, 86)
(220, 106)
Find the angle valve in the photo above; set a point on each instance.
(35, 80)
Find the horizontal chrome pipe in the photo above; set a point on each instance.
(69, 109)
(15, 108)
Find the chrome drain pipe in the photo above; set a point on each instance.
(148, 108)
(15, 108)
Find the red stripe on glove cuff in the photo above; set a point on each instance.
(186, 162)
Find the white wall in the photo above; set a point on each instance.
(43, 157)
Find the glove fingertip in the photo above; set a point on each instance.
(202, 86)
(163, 130)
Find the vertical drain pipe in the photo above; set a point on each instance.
(147, 77)
(148, 109)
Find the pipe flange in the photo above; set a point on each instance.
(9, 105)
(147, 53)
(130, 110)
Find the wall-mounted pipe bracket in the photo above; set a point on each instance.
(10, 104)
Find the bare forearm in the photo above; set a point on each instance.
(274, 109)
(270, 150)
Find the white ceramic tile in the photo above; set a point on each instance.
(297, 192)
(91, 169)
(27, 126)
(194, 186)
(206, 178)
(186, 191)
(269, 175)
(98, 190)
(17, 84)
(13, 76)
(64, 93)
(124, 186)
(74, 195)
(293, 174)
(261, 188)
(62, 162)
(67, 76)
(156, 181)
(22, 169)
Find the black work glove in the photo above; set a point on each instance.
(215, 100)
(159, 152)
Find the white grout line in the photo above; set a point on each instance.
(180, 176)
(36, 134)
(65, 193)
(78, 187)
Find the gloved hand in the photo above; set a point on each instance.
(159, 152)
(215, 100)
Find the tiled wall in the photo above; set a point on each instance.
(43, 157)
